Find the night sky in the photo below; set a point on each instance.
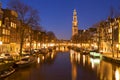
(56, 15)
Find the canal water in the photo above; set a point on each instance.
(67, 65)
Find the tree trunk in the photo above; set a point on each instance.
(21, 42)
(30, 42)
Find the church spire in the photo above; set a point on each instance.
(74, 23)
(74, 13)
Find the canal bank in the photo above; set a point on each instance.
(109, 57)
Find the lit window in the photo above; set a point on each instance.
(110, 30)
(15, 25)
(11, 24)
(3, 31)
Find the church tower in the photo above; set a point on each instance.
(74, 24)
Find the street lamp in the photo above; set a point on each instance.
(0, 45)
(117, 49)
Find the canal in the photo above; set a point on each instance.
(67, 65)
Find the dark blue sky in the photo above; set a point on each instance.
(56, 15)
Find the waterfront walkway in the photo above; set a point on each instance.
(111, 58)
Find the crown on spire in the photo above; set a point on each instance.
(74, 13)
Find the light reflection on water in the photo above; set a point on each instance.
(117, 74)
(94, 62)
(38, 60)
(104, 70)
(67, 66)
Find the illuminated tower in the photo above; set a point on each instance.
(74, 24)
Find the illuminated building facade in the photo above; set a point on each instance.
(10, 22)
(74, 24)
(108, 36)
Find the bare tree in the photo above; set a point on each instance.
(27, 17)
(51, 36)
(114, 12)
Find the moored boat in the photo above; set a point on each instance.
(44, 51)
(26, 61)
(95, 54)
(7, 72)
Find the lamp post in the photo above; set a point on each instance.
(117, 49)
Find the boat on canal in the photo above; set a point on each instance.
(44, 51)
(7, 72)
(95, 54)
(25, 61)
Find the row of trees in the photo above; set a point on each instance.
(28, 16)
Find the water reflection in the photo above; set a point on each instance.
(94, 62)
(67, 66)
(84, 60)
(38, 60)
(32, 72)
(74, 57)
(62, 48)
(106, 71)
(102, 69)
(117, 74)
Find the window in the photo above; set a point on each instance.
(8, 32)
(12, 24)
(15, 25)
(110, 30)
(3, 31)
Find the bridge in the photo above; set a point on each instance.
(61, 45)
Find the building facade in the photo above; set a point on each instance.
(10, 21)
(74, 24)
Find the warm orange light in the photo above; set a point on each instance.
(51, 44)
(0, 42)
(27, 44)
(117, 75)
(38, 60)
